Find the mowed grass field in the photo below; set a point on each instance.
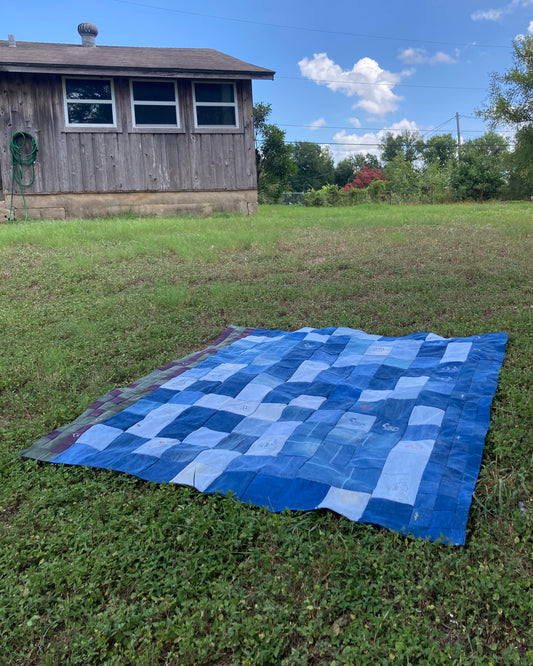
(100, 567)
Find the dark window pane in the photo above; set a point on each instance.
(153, 91)
(155, 115)
(90, 114)
(88, 89)
(214, 92)
(215, 115)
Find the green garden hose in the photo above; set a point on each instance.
(21, 157)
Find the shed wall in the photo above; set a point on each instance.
(83, 205)
(125, 159)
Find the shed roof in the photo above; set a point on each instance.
(128, 60)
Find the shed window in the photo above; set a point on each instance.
(215, 105)
(154, 104)
(89, 102)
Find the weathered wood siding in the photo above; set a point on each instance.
(123, 159)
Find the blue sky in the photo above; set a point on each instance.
(345, 72)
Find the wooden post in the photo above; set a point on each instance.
(458, 136)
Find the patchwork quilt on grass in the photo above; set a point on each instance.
(382, 430)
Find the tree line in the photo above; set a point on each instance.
(410, 167)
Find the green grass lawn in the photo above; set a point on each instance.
(100, 567)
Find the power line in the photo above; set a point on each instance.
(346, 34)
(345, 127)
(358, 35)
(259, 141)
(367, 83)
(438, 126)
(330, 143)
(463, 131)
(327, 143)
(376, 130)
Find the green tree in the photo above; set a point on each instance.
(434, 181)
(314, 166)
(407, 144)
(273, 156)
(402, 178)
(480, 170)
(346, 168)
(510, 103)
(510, 100)
(359, 160)
(343, 172)
(520, 165)
(261, 113)
(440, 149)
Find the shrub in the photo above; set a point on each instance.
(364, 177)
(377, 190)
(353, 196)
(328, 195)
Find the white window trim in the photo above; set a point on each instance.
(67, 101)
(175, 103)
(233, 104)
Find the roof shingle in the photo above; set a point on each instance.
(45, 57)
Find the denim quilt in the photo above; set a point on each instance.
(383, 430)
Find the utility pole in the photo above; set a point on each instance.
(458, 135)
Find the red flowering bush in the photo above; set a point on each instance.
(363, 178)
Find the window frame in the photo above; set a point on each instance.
(175, 103)
(234, 105)
(67, 101)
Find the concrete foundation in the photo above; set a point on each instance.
(157, 204)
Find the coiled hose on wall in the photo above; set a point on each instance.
(23, 148)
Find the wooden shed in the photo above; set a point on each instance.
(154, 131)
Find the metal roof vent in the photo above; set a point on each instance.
(88, 33)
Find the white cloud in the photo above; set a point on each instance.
(487, 15)
(348, 144)
(419, 56)
(441, 58)
(530, 28)
(355, 122)
(368, 142)
(316, 124)
(496, 14)
(372, 84)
